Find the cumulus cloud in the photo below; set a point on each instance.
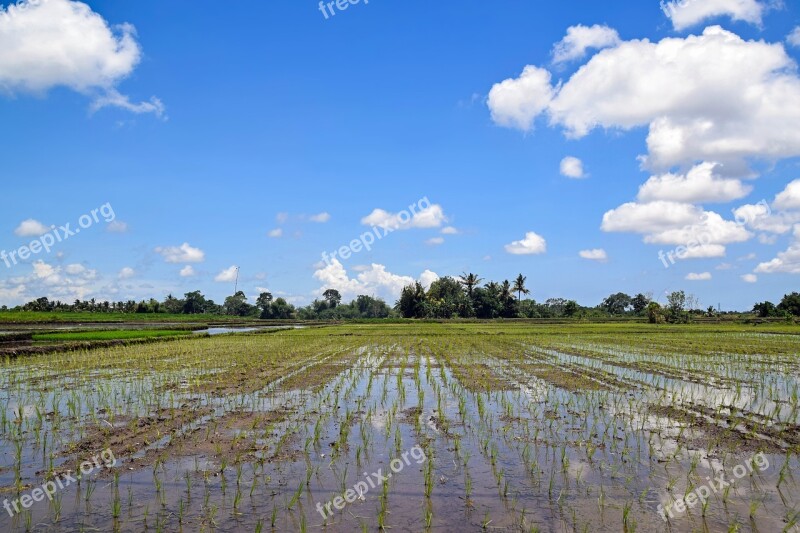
(705, 233)
(702, 276)
(373, 280)
(532, 244)
(581, 38)
(787, 261)
(788, 198)
(227, 275)
(431, 216)
(435, 241)
(749, 278)
(761, 218)
(185, 253)
(31, 228)
(700, 184)
(126, 273)
(187, 271)
(708, 97)
(449, 230)
(275, 233)
(596, 254)
(794, 37)
(321, 217)
(516, 102)
(687, 13)
(63, 43)
(56, 283)
(572, 167)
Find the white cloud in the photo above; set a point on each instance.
(711, 97)
(703, 276)
(275, 233)
(75, 268)
(581, 38)
(321, 217)
(596, 254)
(787, 261)
(749, 278)
(687, 13)
(427, 277)
(429, 217)
(117, 226)
(52, 43)
(788, 198)
(572, 167)
(227, 275)
(673, 223)
(763, 238)
(532, 244)
(516, 102)
(126, 273)
(761, 218)
(794, 37)
(184, 253)
(700, 184)
(376, 280)
(31, 228)
(435, 241)
(723, 266)
(187, 271)
(650, 217)
(449, 230)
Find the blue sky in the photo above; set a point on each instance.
(216, 125)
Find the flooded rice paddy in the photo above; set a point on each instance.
(457, 427)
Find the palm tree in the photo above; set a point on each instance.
(505, 291)
(470, 281)
(519, 287)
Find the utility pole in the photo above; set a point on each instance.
(236, 286)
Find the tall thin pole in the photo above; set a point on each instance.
(236, 286)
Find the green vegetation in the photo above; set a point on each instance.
(108, 335)
(575, 426)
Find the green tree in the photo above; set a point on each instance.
(571, 308)
(280, 309)
(640, 303)
(470, 281)
(264, 303)
(519, 287)
(237, 305)
(790, 304)
(412, 302)
(617, 304)
(194, 303)
(333, 297)
(655, 314)
(765, 309)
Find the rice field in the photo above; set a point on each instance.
(410, 427)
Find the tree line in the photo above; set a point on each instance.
(446, 298)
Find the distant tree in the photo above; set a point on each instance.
(487, 301)
(655, 314)
(412, 302)
(172, 305)
(676, 306)
(470, 281)
(507, 302)
(194, 303)
(282, 310)
(765, 309)
(617, 304)
(640, 303)
(369, 307)
(264, 304)
(237, 305)
(570, 308)
(790, 304)
(333, 297)
(519, 287)
(447, 299)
